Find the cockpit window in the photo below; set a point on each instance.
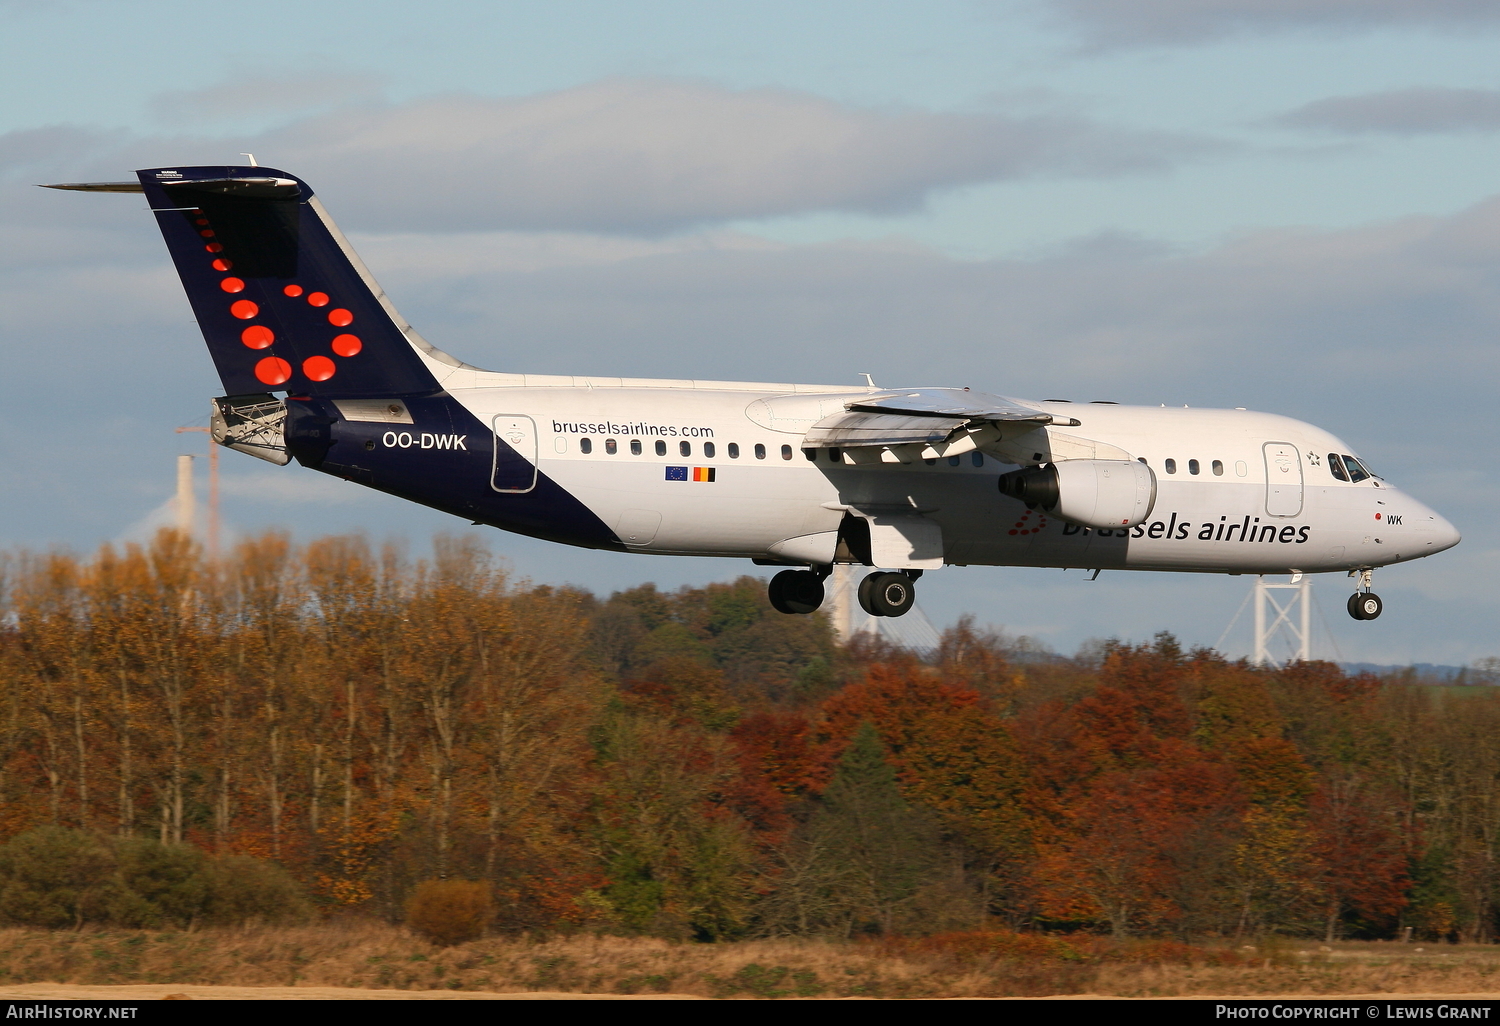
(1336, 467)
(1357, 471)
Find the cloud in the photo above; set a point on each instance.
(1117, 23)
(1416, 111)
(48, 151)
(1273, 317)
(658, 155)
(635, 156)
(245, 94)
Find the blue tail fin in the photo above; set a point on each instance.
(283, 302)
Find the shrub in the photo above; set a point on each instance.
(242, 889)
(449, 912)
(168, 884)
(55, 877)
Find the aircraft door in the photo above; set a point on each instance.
(515, 454)
(1283, 479)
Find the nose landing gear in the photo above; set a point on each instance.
(1364, 604)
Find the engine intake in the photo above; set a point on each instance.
(1091, 493)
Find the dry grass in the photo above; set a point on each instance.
(369, 955)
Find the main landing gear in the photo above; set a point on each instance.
(1364, 604)
(798, 591)
(888, 593)
(883, 593)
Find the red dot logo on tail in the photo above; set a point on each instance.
(257, 336)
(347, 345)
(273, 370)
(318, 368)
(243, 309)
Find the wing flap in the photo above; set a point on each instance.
(860, 428)
(951, 403)
(922, 423)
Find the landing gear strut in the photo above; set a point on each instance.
(797, 591)
(888, 594)
(1364, 604)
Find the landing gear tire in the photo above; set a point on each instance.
(796, 591)
(1365, 605)
(887, 594)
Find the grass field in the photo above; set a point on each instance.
(376, 956)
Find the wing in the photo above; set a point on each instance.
(924, 423)
(949, 402)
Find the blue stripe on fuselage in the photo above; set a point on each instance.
(449, 478)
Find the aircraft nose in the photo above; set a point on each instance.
(1441, 534)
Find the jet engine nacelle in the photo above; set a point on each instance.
(1092, 493)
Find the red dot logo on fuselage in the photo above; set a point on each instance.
(1024, 525)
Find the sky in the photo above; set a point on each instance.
(1285, 205)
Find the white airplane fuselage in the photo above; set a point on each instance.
(1216, 520)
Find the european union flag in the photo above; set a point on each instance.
(677, 473)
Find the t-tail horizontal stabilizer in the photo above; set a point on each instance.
(282, 300)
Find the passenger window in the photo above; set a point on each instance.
(811, 454)
(760, 451)
(585, 445)
(1336, 467)
(1218, 468)
(611, 446)
(685, 448)
(1193, 467)
(977, 459)
(1357, 471)
(708, 450)
(786, 452)
(661, 447)
(1240, 469)
(954, 461)
(734, 450)
(635, 447)
(835, 455)
(1171, 466)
